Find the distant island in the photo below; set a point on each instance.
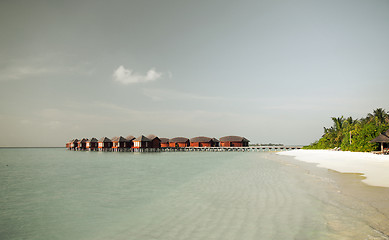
(357, 135)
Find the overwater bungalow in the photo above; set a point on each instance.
(155, 141)
(92, 144)
(142, 142)
(119, 143)
(130, 139)
(179, 142)
(383, 138)
(105, 144)
(234, 141)
(202, 142)
(74, 144)
(164, 142)
(82, 144)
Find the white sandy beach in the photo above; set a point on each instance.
(374, 167)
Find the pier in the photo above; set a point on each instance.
(231, 149)
(198, 149)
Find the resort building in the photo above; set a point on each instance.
(74, 144)
(202, 142)
(383, 138)
(92, 144)
(234, 141)
(164, 142)
(130, 140)
(179, 142)
(119, 143)
(155, 141)
(142, 142)
(104, 144)
(82, 144)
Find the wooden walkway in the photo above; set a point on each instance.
(198, 149)
(230, 149)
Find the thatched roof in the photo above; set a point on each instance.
(105, 139)
(178, 140)
(233, 139)
(200, 139)
(215, 140)
(84, 140)
(130, 137)
(119, 139)
(74, 141)
(383, 137)
(152, 137)
(93, 140)
(142, 139)
(164, 140)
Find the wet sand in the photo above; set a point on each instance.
(355, 210)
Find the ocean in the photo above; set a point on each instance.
(54, 193)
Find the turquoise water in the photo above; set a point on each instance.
(61, 194)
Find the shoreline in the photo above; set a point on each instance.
(374, 168)
(350, 202)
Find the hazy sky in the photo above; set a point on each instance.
(272, 71)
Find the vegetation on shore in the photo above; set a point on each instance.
(354, 135)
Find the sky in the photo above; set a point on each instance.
(271, 71)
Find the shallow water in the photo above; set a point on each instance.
(60, 194)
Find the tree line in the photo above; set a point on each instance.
(350, 134)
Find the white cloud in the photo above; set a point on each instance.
(127, 76)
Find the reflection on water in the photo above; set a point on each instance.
(59, 194)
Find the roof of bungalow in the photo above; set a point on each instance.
(215, 140)
(84, 140)
(201, 139)
(179, 140)
(152, 137)
(93, 140)
(119, 139)
(105, 139)
(74, 141)
(383, 137)
(142, 139)
(130, 137)
(164, 140)
(233, 139)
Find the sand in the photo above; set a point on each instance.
(373, 167)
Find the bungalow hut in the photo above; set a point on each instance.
(82, 144)
(202, 142)
(92, 144)
(155, 141)
(119, 143)
(383, 138)
(74, 144)
(130, 143)
(234, 141)
(68, 145)
(179, 142)
(142, 142)
(164, 142)
(105, 144)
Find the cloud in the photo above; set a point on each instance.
(127, 76)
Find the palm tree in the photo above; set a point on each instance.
(380, 115)
(338, 123)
